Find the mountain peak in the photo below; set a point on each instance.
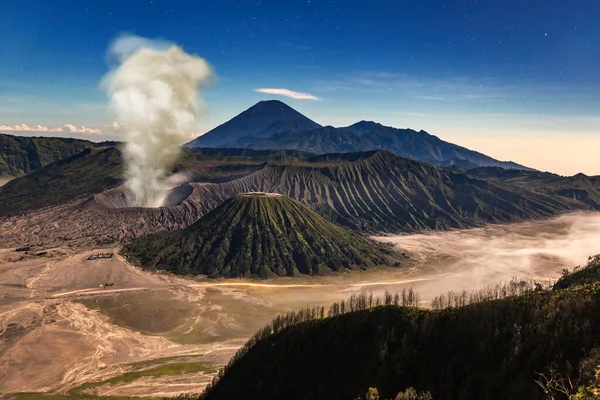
(366, 123)
(272, 101)
(263, 119)
(363, 127)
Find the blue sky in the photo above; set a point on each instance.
(492, 75)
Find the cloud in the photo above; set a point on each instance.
(288, 93)
(112, 131)
(127, 44)
(66, 128)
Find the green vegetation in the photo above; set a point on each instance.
(87, 390)
(20, 155)
(368, 192)
(91, 170)
(539, 343)
(581, 276)
(87, 172)
(257, 235)
(163, 370)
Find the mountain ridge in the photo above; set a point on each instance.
(368, 192)
(367, 135)
(263, 119)
(20, 155)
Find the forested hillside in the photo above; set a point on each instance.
(20, 155)
(531, 345)
(83, 174)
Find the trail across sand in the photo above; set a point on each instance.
(61, 327)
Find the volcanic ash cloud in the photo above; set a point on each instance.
(155, 94)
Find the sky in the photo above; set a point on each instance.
(515, 79)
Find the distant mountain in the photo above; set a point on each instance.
(366, 135)
(379, 191)
(368, 192)
(20, 155)
(580, 187)
(261, 120)
(88, 172)
(258, 235)
(95, 170)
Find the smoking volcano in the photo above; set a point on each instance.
(154, 91)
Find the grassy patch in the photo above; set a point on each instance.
(171, 369)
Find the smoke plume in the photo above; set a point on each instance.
(154, 92)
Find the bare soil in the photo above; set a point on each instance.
(64, 330)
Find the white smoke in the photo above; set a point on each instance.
(154, 92)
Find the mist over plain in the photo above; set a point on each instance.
(474, 258)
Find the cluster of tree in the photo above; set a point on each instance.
(365, 301)
(581, 275)
(408, 394)
(585, 385)
(357, 302)
(514, 340)
(514, 287)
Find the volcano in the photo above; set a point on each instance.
(262, 120)
(258, 235)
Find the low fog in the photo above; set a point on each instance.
(472, 259)
(441, 261)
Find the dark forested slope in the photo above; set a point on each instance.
(495, 349)
(20, 155)
(87, 172)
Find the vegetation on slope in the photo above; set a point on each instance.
(94, 170)
(581, 276)
(20, 155)
(540, 344)
(258, 235)
(84, 174)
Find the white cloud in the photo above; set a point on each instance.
(112, 131)
(288, 93)
(127, 44)
(66, 128)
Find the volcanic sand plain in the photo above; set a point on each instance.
(72, 327)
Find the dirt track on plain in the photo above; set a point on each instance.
(73, 325)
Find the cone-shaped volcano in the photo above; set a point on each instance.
(258, 235)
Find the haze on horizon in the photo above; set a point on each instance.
(514, 80)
